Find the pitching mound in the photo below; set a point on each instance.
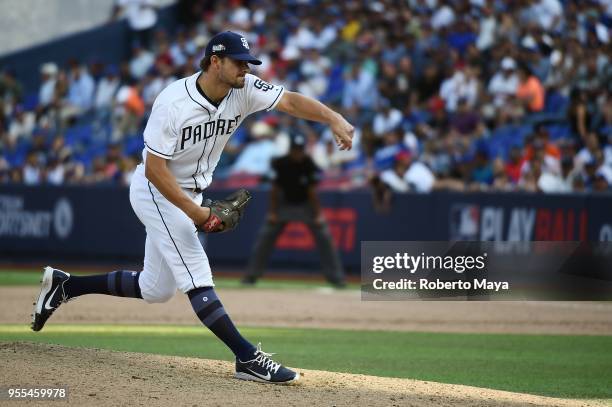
(107, 378)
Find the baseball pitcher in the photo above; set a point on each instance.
(190, 123)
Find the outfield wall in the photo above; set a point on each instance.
(97, 223)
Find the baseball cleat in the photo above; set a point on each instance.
(51, 296)
(263, 369)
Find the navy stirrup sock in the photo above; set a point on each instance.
(209, 309)
(118, 283)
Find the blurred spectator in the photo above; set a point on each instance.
(387, 119)
(314, 70)
(443, 17)
(481, 174)
(142, 60)
(141, 16)
(504, 84)
(385, 155)
(55, 171)
(21, 127)
(463, 84)
(128, 166)
(547, 13)
(465, 121)
(11, 91)
(530, 92)
(429, 84)
(488, 28)
(155, 81)
(129, 111)
(107, 88)
(46, 94)
(601, 183)
(514, 164)
(578, 114)
(181, 49)
(482, 94)
(256, 157)
(419, 177)
(32, 173)
(359, 94)
(80, 96)
(588, 152)
(394, 176)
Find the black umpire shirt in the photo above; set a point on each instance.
(294, 177)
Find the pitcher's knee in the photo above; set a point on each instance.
(157, 295)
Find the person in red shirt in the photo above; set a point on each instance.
(514, 164)
(541, 135)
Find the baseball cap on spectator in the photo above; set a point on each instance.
(298, 141)
(200, 41)
(271, 120)
(261, 129)
(508, 64)
(49, 68)
(403, 155)
(232, 45)
(435, 104)
(555, 57)
(529, 43)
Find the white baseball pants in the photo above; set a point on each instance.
(174, 257)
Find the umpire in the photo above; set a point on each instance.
(293, 198)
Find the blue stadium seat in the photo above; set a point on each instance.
(333, 93)
(558, 131)
(555, 103)
(30, 101)
(82, 134)
(133, 145)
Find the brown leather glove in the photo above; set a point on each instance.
(225, 214)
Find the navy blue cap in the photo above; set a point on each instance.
(233, 45)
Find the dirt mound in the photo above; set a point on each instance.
(107, 378)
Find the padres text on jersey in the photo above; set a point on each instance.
(191, 132)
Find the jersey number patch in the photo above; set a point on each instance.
(264, 86)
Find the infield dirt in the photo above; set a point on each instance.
(330, 309)
(107, 378)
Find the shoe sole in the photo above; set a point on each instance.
(246, 376)
(47, 282)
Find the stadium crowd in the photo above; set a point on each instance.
(464, 95)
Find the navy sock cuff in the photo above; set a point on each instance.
(124, 284)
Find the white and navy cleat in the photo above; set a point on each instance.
(51, 296)
(263, 369)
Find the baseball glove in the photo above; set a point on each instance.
(225, 214)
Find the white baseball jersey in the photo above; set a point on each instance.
(191, 132)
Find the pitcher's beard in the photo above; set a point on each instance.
(238, 83)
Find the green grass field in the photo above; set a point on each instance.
(559, 366)
(551, 365)
(32, 277)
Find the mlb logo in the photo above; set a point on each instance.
(464, 222)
